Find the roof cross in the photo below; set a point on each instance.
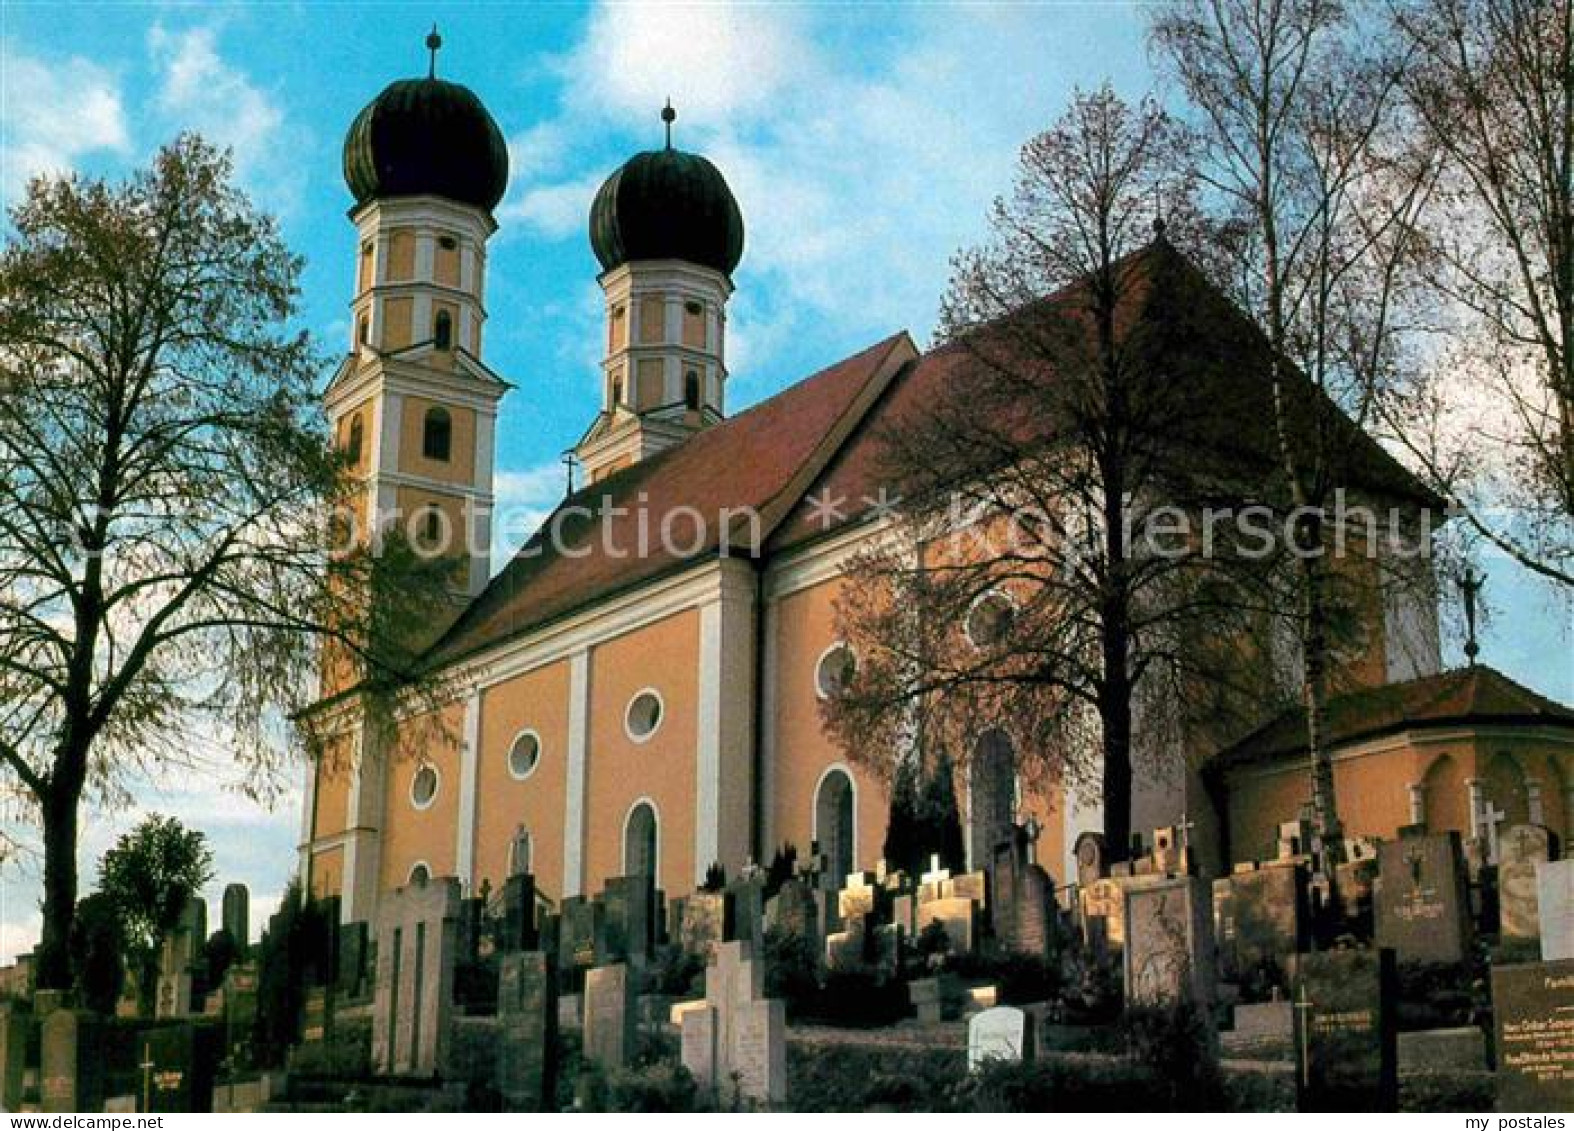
(668, 116)
(433, 42)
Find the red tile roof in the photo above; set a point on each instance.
(1477, 694)
(761, 459)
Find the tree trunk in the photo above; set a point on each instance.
(1314, 695)
(1115, 715)
(53, 969)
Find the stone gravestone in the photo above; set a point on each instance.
(519, 913)
(527, 1031)
(1520, 849)
(15, 1022)
(1555, 909)
(738, 1039)
(1024, 896)
(178, 956)
(706, 920)
(1345, 1030)
(1102, 905)
(351, 982)
(237, 915)
(1089, 851)
(1169, 942)
(579, 927)
(417, 949)
(609, 1016)
(794, 912)
(1002, 1033)
(1261, 918)
(748, 911)
(628, 929)
(1423, 911)
(1533, 1009)
(71, 1062)
(958, 917)
(177, 1066)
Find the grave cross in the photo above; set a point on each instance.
(936, 873)
(1183, 829)
(147, 1076)
(1304, 1005)
(1491, 817)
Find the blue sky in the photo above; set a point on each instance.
(864, 145)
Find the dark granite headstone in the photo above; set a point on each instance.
(1024, 895)
(71, 1062)
(579, 926)
(1262, 918)
(519, 913)
(794, 912)
(628, 928)
(1533, 1007)
(237, 914)
(527, 1031)
(177, 1065)
(748, 912)
(15, 1022)
(1345, 1030)
(1423, 911)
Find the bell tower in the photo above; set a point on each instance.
(668, 234)
(413, 404)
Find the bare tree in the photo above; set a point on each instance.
(1293, 98)
(1025, 587)
(165, 493)
(1489, 413)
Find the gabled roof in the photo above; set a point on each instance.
(1474, 695)
(1199, 337)
(760, 461)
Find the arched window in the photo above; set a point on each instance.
(437, 435)
(357, 437)
(617, 392)
(443, 330)
(834, 821)
(641, 841)
(420, 874)
(431, 529)
(991, 791)
(363, 330)
(691, 391)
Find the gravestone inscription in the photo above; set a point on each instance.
(1423, 911)
(1345, 1030)
(1533, 1010)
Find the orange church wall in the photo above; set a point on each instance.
(412, 834)
(327, 873)
(537, 700)
(805, 627)
(460, 466)
(619, 771)
(333, 790)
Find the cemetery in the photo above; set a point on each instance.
(1416, 974)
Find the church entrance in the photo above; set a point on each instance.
(833, 823)
(991, 792)
(639, 841)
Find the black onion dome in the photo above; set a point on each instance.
(667, 204)
(426, 137)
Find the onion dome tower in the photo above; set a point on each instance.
(413, 405)
(668, 235)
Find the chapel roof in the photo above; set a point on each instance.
(829, 433)
(1474, 695)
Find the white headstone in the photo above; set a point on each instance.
(1001, 1033)
(1555, 904)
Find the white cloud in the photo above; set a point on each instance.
(198, 89)
(53, 113)
(524, 500)
(555, 211)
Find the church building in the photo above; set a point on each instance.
(639, 689)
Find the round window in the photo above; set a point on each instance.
(423, 787)
(524, 754)
(644, 715)
(835, 671)
(989, 621)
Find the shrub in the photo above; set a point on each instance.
(675, 973)
(858, 997)
(659, 1086)
(1175, 1043)
(791, 969)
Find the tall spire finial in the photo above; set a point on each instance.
(1470, 588)
(433, 42)
(669, 115)
(1158, 213)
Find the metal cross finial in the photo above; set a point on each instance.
(1470, 588)
(669, 115)
(433, 42)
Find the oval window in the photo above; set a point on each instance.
(423, 787)
(989, 620)
(834, 673)
(524, 754)
(644, 715)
